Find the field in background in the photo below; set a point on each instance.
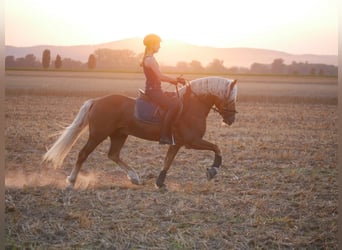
(276, 189)
(251, 88)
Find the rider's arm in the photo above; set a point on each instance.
(151, 63)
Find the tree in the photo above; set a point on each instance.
(117, 59)
(46, 59)
(196, 66)
(91, 61)
(182, 66)
(216, 66)
(29, 61)
(278, 66)
(10, 61)
(58, 62)
(259, 68)
(69, 63)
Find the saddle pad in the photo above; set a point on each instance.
(146, 111)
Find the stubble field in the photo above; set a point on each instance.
(276, 189)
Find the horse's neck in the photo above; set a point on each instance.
(199, 105)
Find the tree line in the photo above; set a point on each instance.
(129, 61)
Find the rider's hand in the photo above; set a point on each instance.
(181, 80)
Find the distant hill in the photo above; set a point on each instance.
(174, 51)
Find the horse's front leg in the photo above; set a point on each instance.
(170, 156)
(201, 144)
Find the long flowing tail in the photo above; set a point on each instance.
(59, 150)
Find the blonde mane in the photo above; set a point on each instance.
(217, 86)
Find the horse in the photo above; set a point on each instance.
(114, 116)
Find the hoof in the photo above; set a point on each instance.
(211, 173)
(135, 181)
(162, 188)
(134, 178)
(69, 188)
(70, 183)
(161, 178)
(160, 185)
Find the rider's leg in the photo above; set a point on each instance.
(166, 129)
(171, 106)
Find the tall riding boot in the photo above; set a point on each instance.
(166, 134)
(166, 129)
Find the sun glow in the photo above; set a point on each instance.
(245, 23)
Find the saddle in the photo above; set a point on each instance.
(146, 110)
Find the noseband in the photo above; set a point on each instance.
(225, 111)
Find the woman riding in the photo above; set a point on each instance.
(153, 87)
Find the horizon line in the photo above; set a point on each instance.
(168, 40)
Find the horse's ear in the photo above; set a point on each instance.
(233, 84)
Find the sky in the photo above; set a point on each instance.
(293, 26)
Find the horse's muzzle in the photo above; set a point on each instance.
(229, 120)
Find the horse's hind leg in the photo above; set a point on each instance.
(117, 142)
(82, 156)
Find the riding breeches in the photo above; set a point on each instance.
(169, 104)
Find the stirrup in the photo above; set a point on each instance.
(167, 141)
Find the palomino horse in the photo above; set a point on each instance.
(113, 116)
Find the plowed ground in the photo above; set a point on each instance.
(277, 186)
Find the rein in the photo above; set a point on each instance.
(188, 86)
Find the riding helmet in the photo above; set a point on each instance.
(151, 39)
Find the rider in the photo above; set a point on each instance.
(153, 87)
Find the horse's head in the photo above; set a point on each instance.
(217, 91)
(226, 106)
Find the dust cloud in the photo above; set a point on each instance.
(21, 179)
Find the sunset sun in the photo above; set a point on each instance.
(261, 24)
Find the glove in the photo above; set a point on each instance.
(181, 80)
